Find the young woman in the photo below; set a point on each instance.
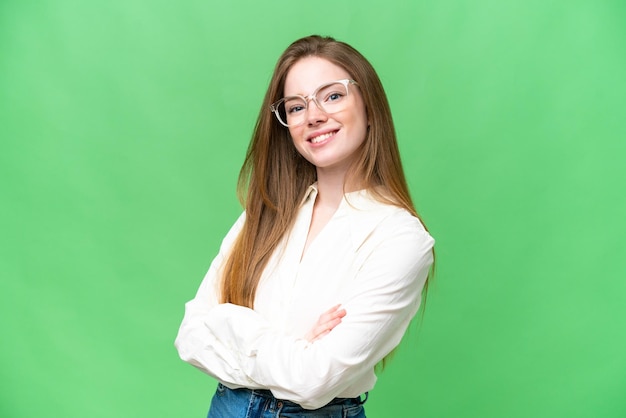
(319, 278)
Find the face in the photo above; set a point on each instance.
(328, 141)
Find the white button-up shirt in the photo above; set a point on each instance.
(372, 258)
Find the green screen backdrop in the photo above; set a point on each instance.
(123, 125)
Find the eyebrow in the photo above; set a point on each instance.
(317, 87)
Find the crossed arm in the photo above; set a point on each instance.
(237, 346)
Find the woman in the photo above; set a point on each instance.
(319, 278)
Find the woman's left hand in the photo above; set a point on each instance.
(326, 322)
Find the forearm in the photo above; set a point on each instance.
(198, 346)
(238, 346)
(312, 374)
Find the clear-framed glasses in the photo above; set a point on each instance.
(330, 98)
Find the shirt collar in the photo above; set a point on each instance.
(360, 210)
(311, 192)
(363, 213)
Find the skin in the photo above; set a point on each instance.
(326, 322)
(332, 157)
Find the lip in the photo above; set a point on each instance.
(320, 133)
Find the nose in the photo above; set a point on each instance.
(314, 113)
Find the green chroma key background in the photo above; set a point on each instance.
(123, 125)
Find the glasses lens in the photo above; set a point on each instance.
(291, 110)
(332, 97)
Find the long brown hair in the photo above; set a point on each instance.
(274, 176)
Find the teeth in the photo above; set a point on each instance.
(322, 137)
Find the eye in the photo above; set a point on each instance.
(333, 96)
(295, 109)
(294, 105)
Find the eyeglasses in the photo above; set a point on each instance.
(329, 98)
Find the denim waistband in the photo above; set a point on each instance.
(337, 401)
(262, 403)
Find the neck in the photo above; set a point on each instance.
(330, 187)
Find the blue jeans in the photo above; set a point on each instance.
(246, 403)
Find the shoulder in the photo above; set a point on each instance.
(373, 220)
(400, 226)
(234, 231)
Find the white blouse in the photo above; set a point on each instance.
(372, 258)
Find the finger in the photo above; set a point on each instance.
(334, 308)
(332, 314)
(329, 313)
(326, 322)
(331, 322)
(327, 326)
(321, 335)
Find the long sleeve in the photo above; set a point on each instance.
(385, 296)
(194, 342)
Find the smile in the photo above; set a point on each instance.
(323, 137)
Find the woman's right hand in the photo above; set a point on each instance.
(326, 322)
